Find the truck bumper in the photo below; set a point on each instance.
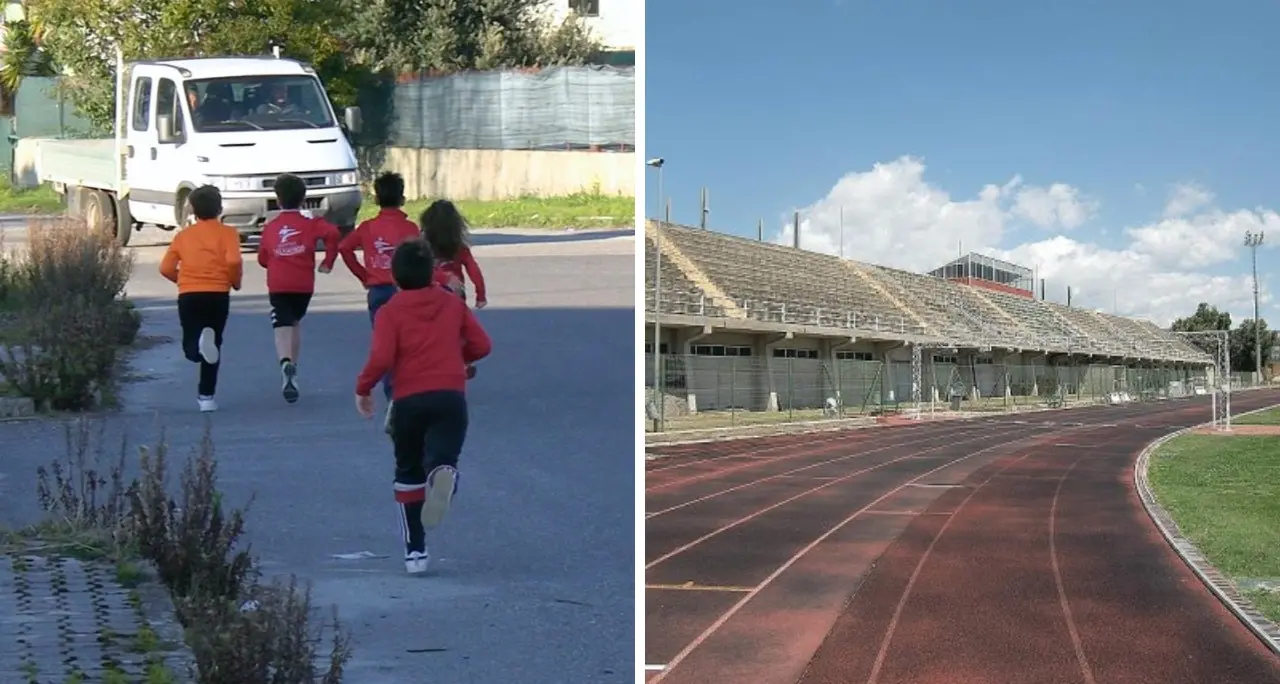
(247, 213)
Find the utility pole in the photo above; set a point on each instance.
(1253, 240)
(659, 398)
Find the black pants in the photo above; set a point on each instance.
(197, 311)
(428, 430)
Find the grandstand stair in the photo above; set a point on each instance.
(695, 275)
(979, 295)
(875, 284)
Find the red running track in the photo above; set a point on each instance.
(1010, 550)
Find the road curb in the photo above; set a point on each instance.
(13, 408)
(1223, 588)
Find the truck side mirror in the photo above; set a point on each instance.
(165, 133)
(353, 120)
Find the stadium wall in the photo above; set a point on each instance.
(863, 374)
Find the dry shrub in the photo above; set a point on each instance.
(65, 317)
(267, 637)
(192, 541)
(64, 355)
(85, 494)
(64, 258)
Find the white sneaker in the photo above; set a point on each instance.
(207, 404)
(208, 350)
(416, 562)
(289, 381)
(441, 485)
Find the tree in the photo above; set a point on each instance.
(22, 59)
(1206, 318)
(1242, 345)
(445, 36)
(1240, 342)
(81, 37)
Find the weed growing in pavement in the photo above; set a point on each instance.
(240, 628)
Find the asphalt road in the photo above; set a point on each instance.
(533, 577)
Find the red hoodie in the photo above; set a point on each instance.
(415, 339)
(288, 251)
(378, 238)
(465, 261)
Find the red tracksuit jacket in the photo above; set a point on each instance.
(288, 251)
(378, 238)
(461, 267)
(415, 339)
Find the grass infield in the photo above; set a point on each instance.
(1224, 493)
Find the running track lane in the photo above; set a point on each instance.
(990, 598)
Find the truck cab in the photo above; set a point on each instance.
(235, 123)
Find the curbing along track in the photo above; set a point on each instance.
(1223, 588)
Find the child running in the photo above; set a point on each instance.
(288, 252)
(204, 260)
(415, 340)
(378, 238)
(449, 237)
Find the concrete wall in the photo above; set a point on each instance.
(501, 174)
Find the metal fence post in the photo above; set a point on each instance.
(733, 391)
(791, 397)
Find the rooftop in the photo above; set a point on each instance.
(222, 67)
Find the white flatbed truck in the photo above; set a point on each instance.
(232, 122)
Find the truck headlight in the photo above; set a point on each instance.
(344, 178)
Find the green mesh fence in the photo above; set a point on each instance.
(701, 392)
(554, 109)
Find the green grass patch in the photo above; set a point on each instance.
(1268, 417)
(1224, 492)
(581, 210)
(38, 200)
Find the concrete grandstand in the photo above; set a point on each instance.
(757, 327)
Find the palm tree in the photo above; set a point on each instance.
(22, 58)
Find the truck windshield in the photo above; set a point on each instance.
(257, 102)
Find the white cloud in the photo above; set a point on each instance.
(1057, 206)
(1185, 198)
(894, 217)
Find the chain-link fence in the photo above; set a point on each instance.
(564, 108)
(703, 392)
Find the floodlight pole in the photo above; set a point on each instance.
(1253, 240)
(659, 398)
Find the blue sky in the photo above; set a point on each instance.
(1126, 105)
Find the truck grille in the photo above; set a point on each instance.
(307, 203)
(311, 181)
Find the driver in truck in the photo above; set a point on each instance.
(279, 102)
